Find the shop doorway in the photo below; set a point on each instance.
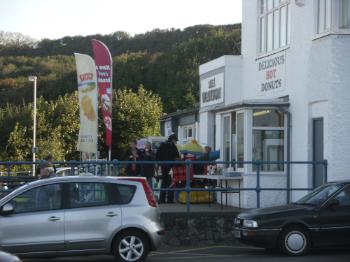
(318, 170)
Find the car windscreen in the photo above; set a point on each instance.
(319, 195)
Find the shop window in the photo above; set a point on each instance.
(227, 139)
(268, 145)
(268, 117)
(268, 139)
(240, 139)
(274, 24)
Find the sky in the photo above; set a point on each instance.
(58, 18)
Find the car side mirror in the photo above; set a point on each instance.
(7, 209)
(333, 203)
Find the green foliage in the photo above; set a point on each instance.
(166, 62)
(135, 115)
(57, 130)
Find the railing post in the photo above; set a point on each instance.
(188, 163)
(258, 189)
(288, 182)
(115, 167)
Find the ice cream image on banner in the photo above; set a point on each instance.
(88, 108)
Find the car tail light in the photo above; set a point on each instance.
(148, 191)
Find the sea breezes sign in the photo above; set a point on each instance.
(103, 61)
(272, 74)
(212, 89)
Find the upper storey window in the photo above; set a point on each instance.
(344, 14)
(332, 16)
(274, 24)
(324, 16)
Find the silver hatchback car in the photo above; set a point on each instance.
(77, 215)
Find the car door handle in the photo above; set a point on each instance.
(111, 214)
(53, 218)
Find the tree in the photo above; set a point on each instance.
(57, 131)
(135, 115)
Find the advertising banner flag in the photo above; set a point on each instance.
(88, 94)
(103, 60)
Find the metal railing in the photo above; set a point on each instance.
(10, 179)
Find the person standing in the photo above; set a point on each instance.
(133, 154)
(148, 168)
(167, 152)
(46, 170)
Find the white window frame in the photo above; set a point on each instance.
(223, 136)
(282, 128)
(186, 138)
(266, 15)
(335, 16)
(245, 168)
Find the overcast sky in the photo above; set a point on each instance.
(58, 18)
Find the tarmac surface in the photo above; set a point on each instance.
(220, 253)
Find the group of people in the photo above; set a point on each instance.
(166, 152)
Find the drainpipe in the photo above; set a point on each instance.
(288, 154)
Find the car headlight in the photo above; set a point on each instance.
(250, 223)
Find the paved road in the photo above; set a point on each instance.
(221, 254)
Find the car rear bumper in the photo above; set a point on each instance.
(156, 234)
(266, 238)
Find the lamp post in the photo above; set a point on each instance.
(34, 149)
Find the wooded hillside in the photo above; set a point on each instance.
(163, 62)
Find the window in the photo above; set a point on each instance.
(268, 118)
(188, 133)
(227, 138)
(274, 24)
(240, 139)
(332, 16)
(268, 139)
(319, 195)
(344, 197)
(324, 11)
(121, 194)
(344, 22)
(88, 194)
(38, 199)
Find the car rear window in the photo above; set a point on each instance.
(121, 194)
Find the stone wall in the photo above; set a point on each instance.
(197, 229)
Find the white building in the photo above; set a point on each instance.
(286, 98)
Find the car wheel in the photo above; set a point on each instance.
(131, 246)
(294, 241)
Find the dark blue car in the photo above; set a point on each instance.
(319, 219)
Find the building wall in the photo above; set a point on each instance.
(338, 150)
(209, 125)
(315, 78)
(317, 83)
